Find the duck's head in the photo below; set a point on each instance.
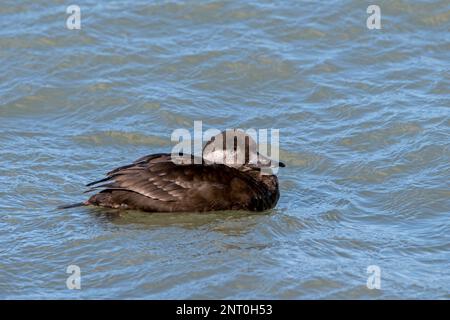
(235, 148)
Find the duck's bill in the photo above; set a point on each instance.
(266, 162)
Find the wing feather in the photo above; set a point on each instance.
(169, 185)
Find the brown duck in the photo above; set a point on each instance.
(160, 183)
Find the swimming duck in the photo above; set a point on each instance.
(162, 183)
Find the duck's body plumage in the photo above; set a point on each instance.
(155, 183)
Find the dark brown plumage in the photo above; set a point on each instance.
(155, 183)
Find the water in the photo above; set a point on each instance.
(364, 129)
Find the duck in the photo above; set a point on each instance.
(216, 181)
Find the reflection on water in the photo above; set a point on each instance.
(364, 131)
(228, 222)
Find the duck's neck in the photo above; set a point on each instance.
(270, 182)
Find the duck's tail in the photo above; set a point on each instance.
(68, 206)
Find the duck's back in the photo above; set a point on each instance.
(156, 184)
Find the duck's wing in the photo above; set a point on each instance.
(159, 184)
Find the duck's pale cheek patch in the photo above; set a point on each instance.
(227, 157)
